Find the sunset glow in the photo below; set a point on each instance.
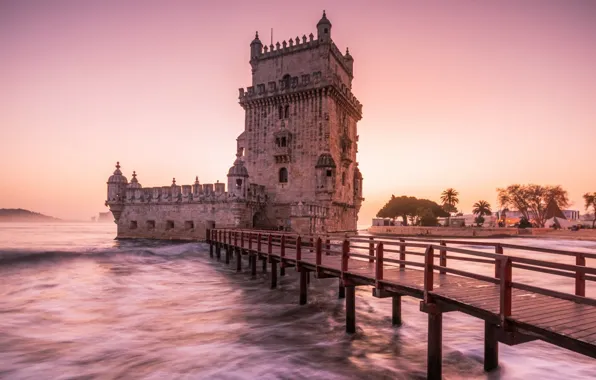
(461, 94)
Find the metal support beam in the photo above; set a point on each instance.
(342, 290)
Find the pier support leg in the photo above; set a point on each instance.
(350, 309)
(396, 311)
(303, 286)
(227, 254)
(308, 278)
(253, 266)
(342, 290)
(273, 274)
(435, 345)
(264, 265)
(211, 249)
(491, 347)
(238, 260)
(282, 270)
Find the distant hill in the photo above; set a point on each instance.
(20, 215)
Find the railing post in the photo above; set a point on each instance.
(318, 252)
(259, 237)
(371, 249)
(379, 264)
(241, 239)
(429, 257)
(498, 251)
(312, 245)
(505, 291)
(269, 246)
(249, 242)
(443, 257)
(235, 239)
(402, 253)
(345, 255)
(580, 277)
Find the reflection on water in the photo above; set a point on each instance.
(83, 305)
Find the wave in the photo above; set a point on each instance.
(138, 248)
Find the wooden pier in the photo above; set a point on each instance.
(514, 312)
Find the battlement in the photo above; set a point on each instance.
(297, 84)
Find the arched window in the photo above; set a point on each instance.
(286, 111)
(281, 112)
(238, 183)
(283, 175)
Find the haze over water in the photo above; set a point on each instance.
(76, 303)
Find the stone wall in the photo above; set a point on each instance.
(180, 222)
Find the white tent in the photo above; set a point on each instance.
(559, 222)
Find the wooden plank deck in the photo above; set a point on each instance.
(526, 315)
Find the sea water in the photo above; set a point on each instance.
(75, 303)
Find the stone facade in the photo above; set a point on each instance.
(299, 145)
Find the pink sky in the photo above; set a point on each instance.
(473, 95)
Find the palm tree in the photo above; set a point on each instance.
(482, 208)
(590, 199)
(449, 199)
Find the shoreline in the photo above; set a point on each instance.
(482, 233)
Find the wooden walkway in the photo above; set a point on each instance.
(514, 312)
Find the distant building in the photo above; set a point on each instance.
(105, 217)
(571, 214)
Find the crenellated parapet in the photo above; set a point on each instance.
(299, 87)
(122, 193)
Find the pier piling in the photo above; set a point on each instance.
(273, 274)
(396, 311)
(238, 260)
(303, 286)
(435, 345)
(350, 309)
(491, 347)
(342, 290)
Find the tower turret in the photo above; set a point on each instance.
(256, 47)
(349, 62)
(238, 177)
(324, 28)
(116, 185)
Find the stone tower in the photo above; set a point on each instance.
(300, 136)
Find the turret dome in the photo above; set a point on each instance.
(117, 177)
(238, 170)
(325, 161)
(324, 20)
(134, 182)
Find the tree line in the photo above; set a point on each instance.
(532, 201)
